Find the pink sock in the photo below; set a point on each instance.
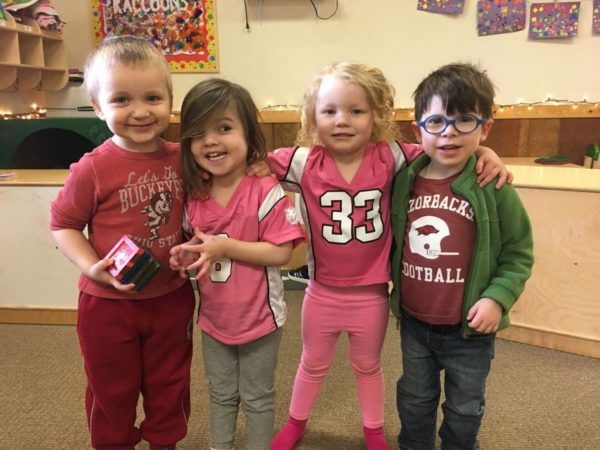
(289, 435)
(374, 439)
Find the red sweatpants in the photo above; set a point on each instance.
(131, 347)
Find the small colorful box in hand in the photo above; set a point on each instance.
(132, 263)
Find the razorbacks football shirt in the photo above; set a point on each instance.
(438, 247)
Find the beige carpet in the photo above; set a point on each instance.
(537, 398)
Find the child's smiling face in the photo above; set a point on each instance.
(450, 149)
(136, 104)
(343, 117)
(222, 149)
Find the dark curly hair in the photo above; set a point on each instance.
(462, 88)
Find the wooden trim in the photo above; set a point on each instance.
(547, 111)
(500, 112)
(38, 316)
(552, 340)
(280, 116)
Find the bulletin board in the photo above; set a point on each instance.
(184, 30)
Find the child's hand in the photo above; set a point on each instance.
(211, 249)
(489, 166)
(99, 272)
(484, 316)
(181, 258)
(258, 169)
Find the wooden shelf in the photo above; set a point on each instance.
(31, 58)
(407, 115)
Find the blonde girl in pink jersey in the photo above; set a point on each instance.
(344, 177)
(245, 229)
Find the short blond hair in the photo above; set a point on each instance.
(128, 51)
(380, 95)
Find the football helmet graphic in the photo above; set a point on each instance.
(426, 235)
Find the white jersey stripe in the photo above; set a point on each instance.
(297, 165)
(399, 157)
(275, 195)
(275, 292)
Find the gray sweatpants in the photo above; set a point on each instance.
(241, 374)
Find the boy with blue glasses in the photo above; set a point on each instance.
(461, 257)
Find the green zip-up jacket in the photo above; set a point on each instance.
(503, 253)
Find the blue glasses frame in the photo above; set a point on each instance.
(447, 122)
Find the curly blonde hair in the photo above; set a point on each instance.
(380, 95)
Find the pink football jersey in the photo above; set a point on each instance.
(242, 302)
(348, 224)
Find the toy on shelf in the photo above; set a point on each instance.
(555, 160)
(591, 159)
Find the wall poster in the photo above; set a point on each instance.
(500, 16)
(441, 6)
(554, 20)
(184, 30)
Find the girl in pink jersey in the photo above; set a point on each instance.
(244, 229)
(345, 179)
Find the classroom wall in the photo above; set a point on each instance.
(286, 44)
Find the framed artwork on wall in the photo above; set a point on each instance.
(184, 30)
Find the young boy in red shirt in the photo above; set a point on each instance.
(131, 342)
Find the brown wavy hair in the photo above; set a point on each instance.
(380, 95)
(202, 106)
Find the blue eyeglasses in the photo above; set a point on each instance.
(464, 123)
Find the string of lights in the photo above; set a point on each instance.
(37, 112)
(549, 101)
(280, 107)
(40, 112)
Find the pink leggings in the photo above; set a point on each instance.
(327, 311)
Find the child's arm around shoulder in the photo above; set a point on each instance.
(78, 250)
(285, 164)
(489, 166)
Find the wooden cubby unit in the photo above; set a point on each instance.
(31, 58)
